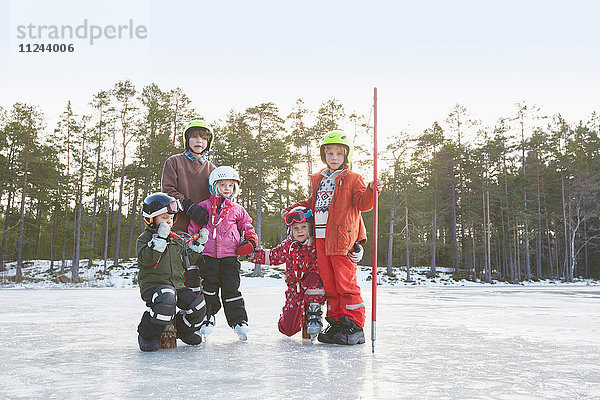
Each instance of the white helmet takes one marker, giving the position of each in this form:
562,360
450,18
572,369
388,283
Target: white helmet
223,172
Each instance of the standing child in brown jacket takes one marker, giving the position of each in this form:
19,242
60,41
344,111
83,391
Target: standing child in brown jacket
185,177
338,197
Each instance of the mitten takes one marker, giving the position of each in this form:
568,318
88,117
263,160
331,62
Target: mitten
198,214
192,279
159,239
356,254
157,243
196,246
163,230
203,236
248,245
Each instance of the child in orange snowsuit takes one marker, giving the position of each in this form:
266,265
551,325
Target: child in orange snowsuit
337,199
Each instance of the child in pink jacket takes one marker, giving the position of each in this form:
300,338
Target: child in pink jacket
230,234
298,253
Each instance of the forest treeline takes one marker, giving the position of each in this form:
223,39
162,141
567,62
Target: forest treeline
519,200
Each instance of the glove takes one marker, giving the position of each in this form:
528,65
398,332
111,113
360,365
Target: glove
248,245
159,239
163,230
203,238
192,279
356,254
198,214
196,246
157,243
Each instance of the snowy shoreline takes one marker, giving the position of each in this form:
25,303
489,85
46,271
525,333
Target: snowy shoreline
36,276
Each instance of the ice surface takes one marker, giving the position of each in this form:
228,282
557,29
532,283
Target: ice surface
432,342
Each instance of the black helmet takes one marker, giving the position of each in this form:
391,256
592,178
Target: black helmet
159,203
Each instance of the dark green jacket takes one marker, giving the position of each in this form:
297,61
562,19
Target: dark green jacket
160,268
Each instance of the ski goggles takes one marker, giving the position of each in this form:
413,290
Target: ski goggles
174,207
297,216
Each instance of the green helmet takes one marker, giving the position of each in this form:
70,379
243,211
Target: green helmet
198,123
337,137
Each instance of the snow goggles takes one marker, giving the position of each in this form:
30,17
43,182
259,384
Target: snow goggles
297,216
174,207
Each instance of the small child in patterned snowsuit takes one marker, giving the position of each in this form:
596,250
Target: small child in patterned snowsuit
304,285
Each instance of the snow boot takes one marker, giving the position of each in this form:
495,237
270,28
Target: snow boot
328,334
314,325
148,344
350,333
241,329
207,325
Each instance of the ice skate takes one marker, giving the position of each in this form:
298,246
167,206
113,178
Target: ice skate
207,325
314,325
241,329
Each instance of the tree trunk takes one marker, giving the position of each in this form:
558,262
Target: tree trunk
132,217
391,235
433,269
95,203
586,273
526,227
565,224
52,241
38,218
407,237
484,236
309,163
75,266
120,210
106,231
76,255
146,192
518,252
6,216
453,234
538,249
257,268
20,238
552,275
489,238
474,261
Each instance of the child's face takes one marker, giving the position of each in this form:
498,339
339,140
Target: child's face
164,217
225,187
197,142
335,155
301,231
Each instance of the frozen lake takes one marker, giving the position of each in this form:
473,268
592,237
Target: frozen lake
432,342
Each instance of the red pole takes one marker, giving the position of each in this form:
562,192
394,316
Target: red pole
374,262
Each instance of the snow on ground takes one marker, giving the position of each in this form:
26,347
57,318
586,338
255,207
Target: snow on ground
438,340
36,275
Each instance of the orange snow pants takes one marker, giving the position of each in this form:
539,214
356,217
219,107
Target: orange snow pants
341,289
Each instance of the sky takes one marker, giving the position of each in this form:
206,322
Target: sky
423,57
